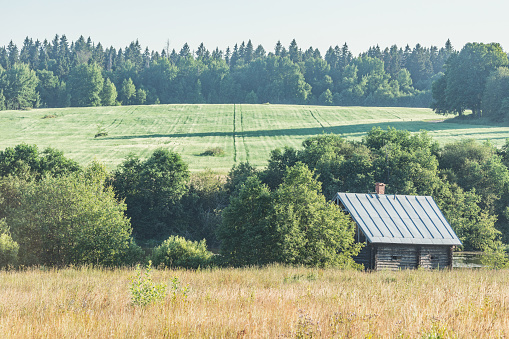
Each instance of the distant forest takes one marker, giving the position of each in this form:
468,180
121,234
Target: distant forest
59,73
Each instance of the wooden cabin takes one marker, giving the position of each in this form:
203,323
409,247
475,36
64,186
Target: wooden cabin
400,231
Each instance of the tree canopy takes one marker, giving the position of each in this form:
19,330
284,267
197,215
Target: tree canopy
83,73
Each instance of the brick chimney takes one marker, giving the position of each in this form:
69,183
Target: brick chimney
380,188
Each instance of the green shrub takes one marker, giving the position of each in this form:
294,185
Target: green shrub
69,220
214,152
495,258
8,247
178,252
143,290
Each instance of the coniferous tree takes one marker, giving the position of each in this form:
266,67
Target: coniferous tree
108,93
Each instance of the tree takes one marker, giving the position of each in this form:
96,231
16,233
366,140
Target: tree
406,163
85,85
127,93
473,165
69,220
108,93
19,87
244,232
141,96
2,100
8,247
495,100
465,77
160,76
152,190
293,225
341,165
25,161
48,88
473,225
326,98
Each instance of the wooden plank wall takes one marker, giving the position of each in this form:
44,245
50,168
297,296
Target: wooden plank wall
365,257
396,257
435,257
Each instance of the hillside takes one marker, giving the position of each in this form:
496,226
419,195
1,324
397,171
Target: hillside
244,132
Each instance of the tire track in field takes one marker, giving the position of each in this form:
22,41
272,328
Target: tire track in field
243,134
234,131
318,121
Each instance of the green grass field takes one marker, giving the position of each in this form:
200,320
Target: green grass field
244,132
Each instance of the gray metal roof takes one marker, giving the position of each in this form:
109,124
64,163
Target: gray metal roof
399,219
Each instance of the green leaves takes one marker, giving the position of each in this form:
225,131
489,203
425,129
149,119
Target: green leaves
19,87
152,190
465,78
85,85
292,224
143,290
68,220
178,252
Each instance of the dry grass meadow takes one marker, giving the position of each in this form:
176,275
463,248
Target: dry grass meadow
273,302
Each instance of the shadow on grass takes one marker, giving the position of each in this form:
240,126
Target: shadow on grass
348,130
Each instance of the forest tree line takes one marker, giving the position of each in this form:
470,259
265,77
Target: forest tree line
59,73
59,213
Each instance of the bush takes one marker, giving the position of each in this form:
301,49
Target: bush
178,252
69,220
143,290
214,152
8,247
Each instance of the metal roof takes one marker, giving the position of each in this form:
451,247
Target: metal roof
399,219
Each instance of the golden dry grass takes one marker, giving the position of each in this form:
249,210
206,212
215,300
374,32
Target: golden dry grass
257,303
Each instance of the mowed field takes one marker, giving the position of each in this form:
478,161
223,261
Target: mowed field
244,132
272,302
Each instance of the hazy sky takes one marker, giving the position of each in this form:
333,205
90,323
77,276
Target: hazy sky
222,23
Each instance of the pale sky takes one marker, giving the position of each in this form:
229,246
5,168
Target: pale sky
222,23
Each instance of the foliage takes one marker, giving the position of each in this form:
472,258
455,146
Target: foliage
341,166
143,290
495,100
474,225
214,152
203,202
293,224
68,220
26,161
178,252
238,174
8,247
465,77
245,232
244,74
495,258
127,94
18,85
152,190
85,85
477,166
108,93
2,100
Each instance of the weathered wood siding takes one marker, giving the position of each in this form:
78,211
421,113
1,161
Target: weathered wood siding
365,257
435,256
396,257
